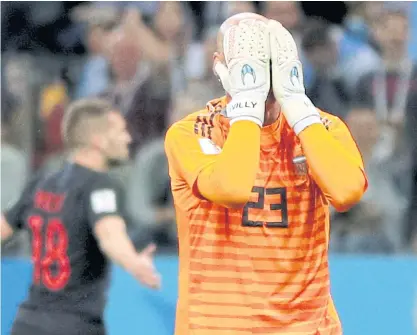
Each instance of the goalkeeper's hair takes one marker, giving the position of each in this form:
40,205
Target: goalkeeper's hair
81,118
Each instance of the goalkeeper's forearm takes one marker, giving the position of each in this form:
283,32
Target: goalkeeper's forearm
229,180
333,168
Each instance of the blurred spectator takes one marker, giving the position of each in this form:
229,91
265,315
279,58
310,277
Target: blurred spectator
137,92
99,21
213,13
149,196
149,193
288,13
53,101
374,225
390,92
327,90
205,84
148,8
14,172
356,42
167,45
236,7
39,26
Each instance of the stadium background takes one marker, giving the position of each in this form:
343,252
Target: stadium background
153,61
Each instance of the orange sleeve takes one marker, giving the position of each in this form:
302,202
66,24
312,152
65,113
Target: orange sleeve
225,177
335,163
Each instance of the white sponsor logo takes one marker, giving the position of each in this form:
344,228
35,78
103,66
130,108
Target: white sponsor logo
247,104
209,147
103,201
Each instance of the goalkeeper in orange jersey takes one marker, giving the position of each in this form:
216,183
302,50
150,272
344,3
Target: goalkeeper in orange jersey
253,176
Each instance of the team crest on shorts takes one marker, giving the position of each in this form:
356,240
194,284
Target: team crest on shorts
300,163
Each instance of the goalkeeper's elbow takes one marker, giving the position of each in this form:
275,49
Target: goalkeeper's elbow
349,195
233,197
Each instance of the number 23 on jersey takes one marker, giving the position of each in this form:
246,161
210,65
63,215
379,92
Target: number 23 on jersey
52,267
276,210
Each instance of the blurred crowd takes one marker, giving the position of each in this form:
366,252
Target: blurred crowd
153,60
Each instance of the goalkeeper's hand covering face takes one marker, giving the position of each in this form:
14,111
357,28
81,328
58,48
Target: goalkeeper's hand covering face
243,66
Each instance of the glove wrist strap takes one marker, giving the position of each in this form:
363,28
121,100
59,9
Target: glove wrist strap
251,108
306,122
300,113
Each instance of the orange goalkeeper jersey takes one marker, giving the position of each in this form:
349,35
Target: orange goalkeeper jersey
262,269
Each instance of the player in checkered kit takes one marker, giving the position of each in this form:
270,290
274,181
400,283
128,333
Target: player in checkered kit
77,222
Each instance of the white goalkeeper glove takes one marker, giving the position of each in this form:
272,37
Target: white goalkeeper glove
287,80
246,75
